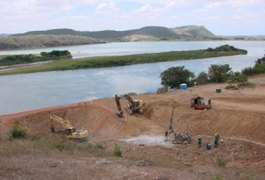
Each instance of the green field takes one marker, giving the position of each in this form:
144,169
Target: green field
109,61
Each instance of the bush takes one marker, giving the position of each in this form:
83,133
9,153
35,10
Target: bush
258,68
117,151
162,90
174,76
202,78
219,73
238,77
17,133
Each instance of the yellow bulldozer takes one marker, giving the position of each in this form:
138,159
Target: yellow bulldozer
133,106
232,86
70,131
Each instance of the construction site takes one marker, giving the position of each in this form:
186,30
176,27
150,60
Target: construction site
156,136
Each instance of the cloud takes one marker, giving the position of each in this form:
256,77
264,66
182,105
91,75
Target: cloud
106,7
25,15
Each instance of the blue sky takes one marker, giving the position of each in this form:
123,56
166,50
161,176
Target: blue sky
222,17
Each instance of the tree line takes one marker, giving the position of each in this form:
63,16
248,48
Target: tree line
174,76
30,58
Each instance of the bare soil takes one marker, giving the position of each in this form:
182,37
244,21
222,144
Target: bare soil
237,115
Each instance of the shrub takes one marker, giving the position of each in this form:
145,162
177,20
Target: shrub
117,151
202,78
238,77
17,133
258,68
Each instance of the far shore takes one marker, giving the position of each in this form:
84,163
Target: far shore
111,61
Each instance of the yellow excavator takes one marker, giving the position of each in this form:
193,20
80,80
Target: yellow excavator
133,106
70,131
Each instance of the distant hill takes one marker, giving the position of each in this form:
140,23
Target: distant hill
153,32
42,40
62,37
194,31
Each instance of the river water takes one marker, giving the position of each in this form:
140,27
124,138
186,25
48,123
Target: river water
30,91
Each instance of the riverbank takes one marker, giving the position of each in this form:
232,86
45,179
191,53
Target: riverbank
110,61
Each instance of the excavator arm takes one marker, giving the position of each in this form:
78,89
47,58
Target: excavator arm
64,122
72,133
132,107
118,103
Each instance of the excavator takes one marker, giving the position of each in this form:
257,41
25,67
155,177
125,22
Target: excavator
70,131
133,106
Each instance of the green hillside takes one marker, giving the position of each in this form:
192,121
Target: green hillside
44,40
65,37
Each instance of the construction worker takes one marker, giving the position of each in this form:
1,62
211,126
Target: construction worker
216,140
208,145
199,141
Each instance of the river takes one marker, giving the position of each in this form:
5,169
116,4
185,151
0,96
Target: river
31,91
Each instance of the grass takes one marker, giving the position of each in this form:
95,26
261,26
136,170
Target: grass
218,177
221,162
43,144
117,151
2,56
249,85
110,61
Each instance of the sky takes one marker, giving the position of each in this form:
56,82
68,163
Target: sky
222,17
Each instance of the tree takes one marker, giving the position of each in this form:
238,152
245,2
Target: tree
202,78
219,73
238,77
174,76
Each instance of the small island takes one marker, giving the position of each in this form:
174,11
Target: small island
111,61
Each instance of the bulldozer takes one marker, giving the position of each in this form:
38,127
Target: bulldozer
201,103
133,106
175,137
232,86
70,131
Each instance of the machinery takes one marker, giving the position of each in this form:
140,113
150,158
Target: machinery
174,137
232,86
70,131
201,103
133,106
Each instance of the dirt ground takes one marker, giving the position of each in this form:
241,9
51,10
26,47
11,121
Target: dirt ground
237,115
